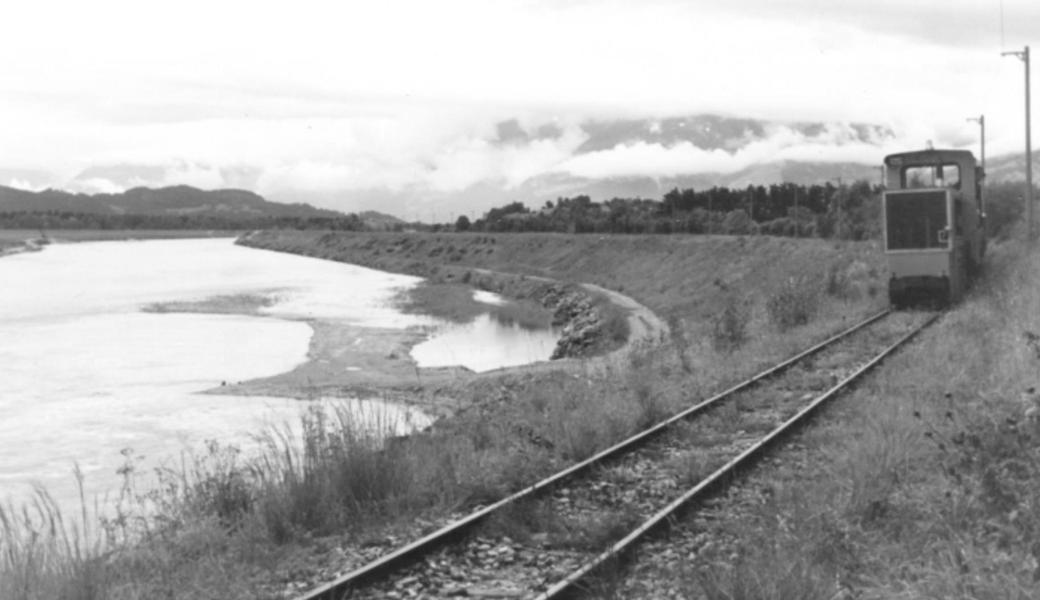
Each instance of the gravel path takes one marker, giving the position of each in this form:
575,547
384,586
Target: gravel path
645,328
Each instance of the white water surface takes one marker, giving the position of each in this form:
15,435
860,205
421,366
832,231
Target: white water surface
86,374
485,344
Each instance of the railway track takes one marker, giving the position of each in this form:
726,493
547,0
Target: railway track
550,539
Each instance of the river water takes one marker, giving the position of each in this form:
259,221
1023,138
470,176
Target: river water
88,376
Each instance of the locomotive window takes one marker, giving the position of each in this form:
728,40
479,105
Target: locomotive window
914,220
931,176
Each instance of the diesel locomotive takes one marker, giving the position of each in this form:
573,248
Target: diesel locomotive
934,224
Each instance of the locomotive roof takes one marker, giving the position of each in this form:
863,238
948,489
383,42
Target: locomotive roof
928,156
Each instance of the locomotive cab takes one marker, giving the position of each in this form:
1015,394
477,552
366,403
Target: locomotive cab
933,222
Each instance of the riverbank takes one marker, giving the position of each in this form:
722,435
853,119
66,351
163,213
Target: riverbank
19,236
599,327
15,241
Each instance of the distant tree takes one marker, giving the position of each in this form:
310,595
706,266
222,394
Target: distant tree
1004,207
778,209
506,218
462,223
738,222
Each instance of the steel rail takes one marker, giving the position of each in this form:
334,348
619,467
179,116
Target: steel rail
340,587
710,484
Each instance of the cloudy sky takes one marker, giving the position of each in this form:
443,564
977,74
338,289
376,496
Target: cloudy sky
330,99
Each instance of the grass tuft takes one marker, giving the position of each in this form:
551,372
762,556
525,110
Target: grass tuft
44,555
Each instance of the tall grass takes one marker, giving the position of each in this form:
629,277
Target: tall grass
44,555
195,527
334,475
206,523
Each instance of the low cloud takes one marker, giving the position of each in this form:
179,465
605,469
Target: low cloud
95,185
471,161
23,184
834,143
200,176
397,160
313,176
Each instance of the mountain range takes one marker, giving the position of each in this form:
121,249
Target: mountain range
172,200
603,159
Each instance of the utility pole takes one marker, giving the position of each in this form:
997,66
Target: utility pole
981,120
711,194
797,226
837,229
1024,57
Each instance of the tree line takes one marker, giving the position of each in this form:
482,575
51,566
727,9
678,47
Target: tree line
848,211
53,219
844,211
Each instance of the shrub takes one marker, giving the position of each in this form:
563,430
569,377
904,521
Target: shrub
737,222
649,405
794,303
677,333
729,328
1004,208
836,283
850,280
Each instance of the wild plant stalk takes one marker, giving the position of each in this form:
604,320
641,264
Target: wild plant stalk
44,556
